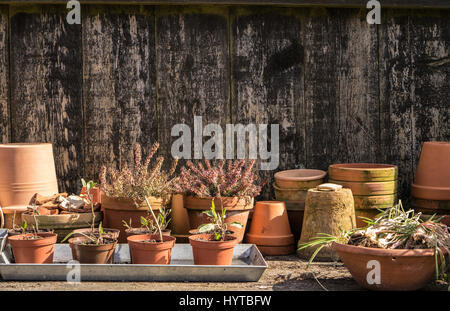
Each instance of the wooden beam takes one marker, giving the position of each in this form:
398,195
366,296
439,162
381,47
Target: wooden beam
305,3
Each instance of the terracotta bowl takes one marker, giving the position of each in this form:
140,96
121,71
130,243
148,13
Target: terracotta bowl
399,269
299,178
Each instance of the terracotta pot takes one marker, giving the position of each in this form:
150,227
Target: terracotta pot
62,224
237,210
179,215
400,269
116,210
431,205
369,188
96,194
299,178
432,180
146,253
33,251
209,252
370,172
295,212
140,231
283,194
91,253
21,178
270,229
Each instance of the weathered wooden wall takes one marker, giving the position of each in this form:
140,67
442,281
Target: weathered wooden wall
342,90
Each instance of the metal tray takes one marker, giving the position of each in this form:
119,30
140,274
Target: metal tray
248,265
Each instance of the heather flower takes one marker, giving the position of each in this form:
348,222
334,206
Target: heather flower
139,182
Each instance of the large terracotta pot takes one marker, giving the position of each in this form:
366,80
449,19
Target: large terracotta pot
237,210
270,229
26,169
374,186
209,252
180,219
36,251
116,210
400,269
92,253
62,224
147,253
299,178
432,180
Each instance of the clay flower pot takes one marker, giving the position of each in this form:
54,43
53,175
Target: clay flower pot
369,172
91,253
432,180
400,269
118,209
33,251
299,178
237,210
140,231
96,194
149,253
289,195
207,251
27,168
270,229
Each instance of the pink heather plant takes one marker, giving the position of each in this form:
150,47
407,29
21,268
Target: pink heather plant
138,182
234,180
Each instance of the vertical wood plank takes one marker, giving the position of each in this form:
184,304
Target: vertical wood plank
358,134
118,85
430,61
321,40
267,55
193,69
46,86
4,75
395,96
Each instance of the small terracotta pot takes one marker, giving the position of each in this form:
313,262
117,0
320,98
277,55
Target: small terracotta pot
140,231
209,252
299,178
179,215
91,253
27,168
33,251
400,269
270,229
116,210
283,194
237,210
147,253
370,172
432,180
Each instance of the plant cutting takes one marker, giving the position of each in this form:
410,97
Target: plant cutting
232,187
147,226
407,250
154,248
94,245
125,190
36,247
214,248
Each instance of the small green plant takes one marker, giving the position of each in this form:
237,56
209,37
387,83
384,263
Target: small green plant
88,186
97,239
217,225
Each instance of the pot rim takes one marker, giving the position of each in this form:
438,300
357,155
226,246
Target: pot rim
72,242
361,250
28,145
140,238
319,174
195,241
362,166
48,239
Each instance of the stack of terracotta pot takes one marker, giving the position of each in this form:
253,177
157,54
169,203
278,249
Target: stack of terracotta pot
26,169
291,187
431,187
374,186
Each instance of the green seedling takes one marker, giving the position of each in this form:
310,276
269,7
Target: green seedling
217,223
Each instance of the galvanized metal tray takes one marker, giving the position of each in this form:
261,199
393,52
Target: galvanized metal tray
248,265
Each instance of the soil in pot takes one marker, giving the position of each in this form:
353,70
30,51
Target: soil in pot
30,248
208,251
108,232
140,231
85,250
148,249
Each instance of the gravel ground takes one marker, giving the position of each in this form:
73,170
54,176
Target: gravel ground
285,273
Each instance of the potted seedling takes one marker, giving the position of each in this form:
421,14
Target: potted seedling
95,245
124,191
17,230
154,248
36,247
147,226
396,251
214,248
232,186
